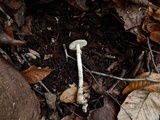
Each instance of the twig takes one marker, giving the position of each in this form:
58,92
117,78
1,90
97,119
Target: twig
152,56
124,79
43,85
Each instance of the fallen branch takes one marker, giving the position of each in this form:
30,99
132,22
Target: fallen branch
152,56
125,79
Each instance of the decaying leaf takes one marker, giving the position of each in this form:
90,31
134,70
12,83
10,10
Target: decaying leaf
140,105
151,27
20,16
132,15
156,15
120,3
34,75
141,84
107,112
51,99
14,4
155,36
69,95
6,39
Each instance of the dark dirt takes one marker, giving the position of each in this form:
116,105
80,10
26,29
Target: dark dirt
55,23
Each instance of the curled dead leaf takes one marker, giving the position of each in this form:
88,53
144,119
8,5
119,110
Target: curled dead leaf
141,84
155,36
156,15
151,27
69,95
34,75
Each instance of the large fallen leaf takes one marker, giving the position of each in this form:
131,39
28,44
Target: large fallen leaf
132,16
34,75
141,84
69,95
140,105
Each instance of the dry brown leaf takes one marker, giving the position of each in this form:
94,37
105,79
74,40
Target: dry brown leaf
155,87
155,36
9,31
151,27
140,105
156,15
14,4
34,75
120,3
141,84
69,95
6,39
132,15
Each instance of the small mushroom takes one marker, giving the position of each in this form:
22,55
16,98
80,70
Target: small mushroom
77,45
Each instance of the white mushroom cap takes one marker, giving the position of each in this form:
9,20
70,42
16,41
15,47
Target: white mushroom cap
81,43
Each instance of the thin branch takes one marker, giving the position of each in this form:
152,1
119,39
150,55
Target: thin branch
125,79
152,56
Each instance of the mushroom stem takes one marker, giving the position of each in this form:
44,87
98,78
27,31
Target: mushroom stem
79,64
80,96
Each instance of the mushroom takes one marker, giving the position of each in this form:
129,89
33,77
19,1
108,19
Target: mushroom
77,45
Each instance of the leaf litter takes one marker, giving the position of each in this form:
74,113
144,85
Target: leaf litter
65,21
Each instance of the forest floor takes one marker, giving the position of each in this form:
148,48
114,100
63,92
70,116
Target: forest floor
110,50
